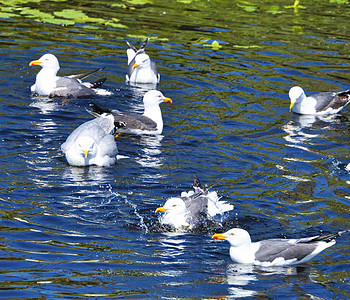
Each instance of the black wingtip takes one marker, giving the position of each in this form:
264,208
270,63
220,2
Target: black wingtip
196,182
329,237
99,109
131,46
344,93
97,83
119,124
143,46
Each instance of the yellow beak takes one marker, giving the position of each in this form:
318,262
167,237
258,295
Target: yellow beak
159,209
168,100
291,105
35,63
135,66
85,153
218,236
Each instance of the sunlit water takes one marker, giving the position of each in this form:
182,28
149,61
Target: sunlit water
70,232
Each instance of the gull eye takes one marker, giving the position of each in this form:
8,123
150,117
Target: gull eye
174,205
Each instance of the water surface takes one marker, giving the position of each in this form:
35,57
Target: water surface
72,233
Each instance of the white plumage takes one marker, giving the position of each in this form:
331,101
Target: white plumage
274,252
47,82
150,122
186,212
92,144
321,103
141,69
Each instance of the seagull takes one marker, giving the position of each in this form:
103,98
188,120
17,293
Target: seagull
150,122
186,212
47,82
92,144
274,252
141,69
320,104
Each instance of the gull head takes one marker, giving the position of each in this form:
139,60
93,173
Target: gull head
296,94
142,60
48,61
154,97
173,206
86,146
236,237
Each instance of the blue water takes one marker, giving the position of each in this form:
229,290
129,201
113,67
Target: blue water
73,233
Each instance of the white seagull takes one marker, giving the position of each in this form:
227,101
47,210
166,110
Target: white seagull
320,104
47,82
150,122
141,69
187,211
274,252
92,144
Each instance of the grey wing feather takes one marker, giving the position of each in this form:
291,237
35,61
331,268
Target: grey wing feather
135,121
96,128
85,128
104,123
130,70
70,87
108,146
274,248
196,208
154,69
131,121
331,100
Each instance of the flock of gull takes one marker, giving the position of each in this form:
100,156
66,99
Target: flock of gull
93,143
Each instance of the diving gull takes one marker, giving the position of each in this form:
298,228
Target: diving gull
321,103
141,69
274,252
92,144
150,122
47,82
187,211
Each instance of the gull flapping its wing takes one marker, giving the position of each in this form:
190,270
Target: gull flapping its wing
187,211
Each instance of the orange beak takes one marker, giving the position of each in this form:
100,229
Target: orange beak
85,153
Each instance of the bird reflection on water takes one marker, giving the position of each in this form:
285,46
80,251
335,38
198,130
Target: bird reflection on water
241,278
